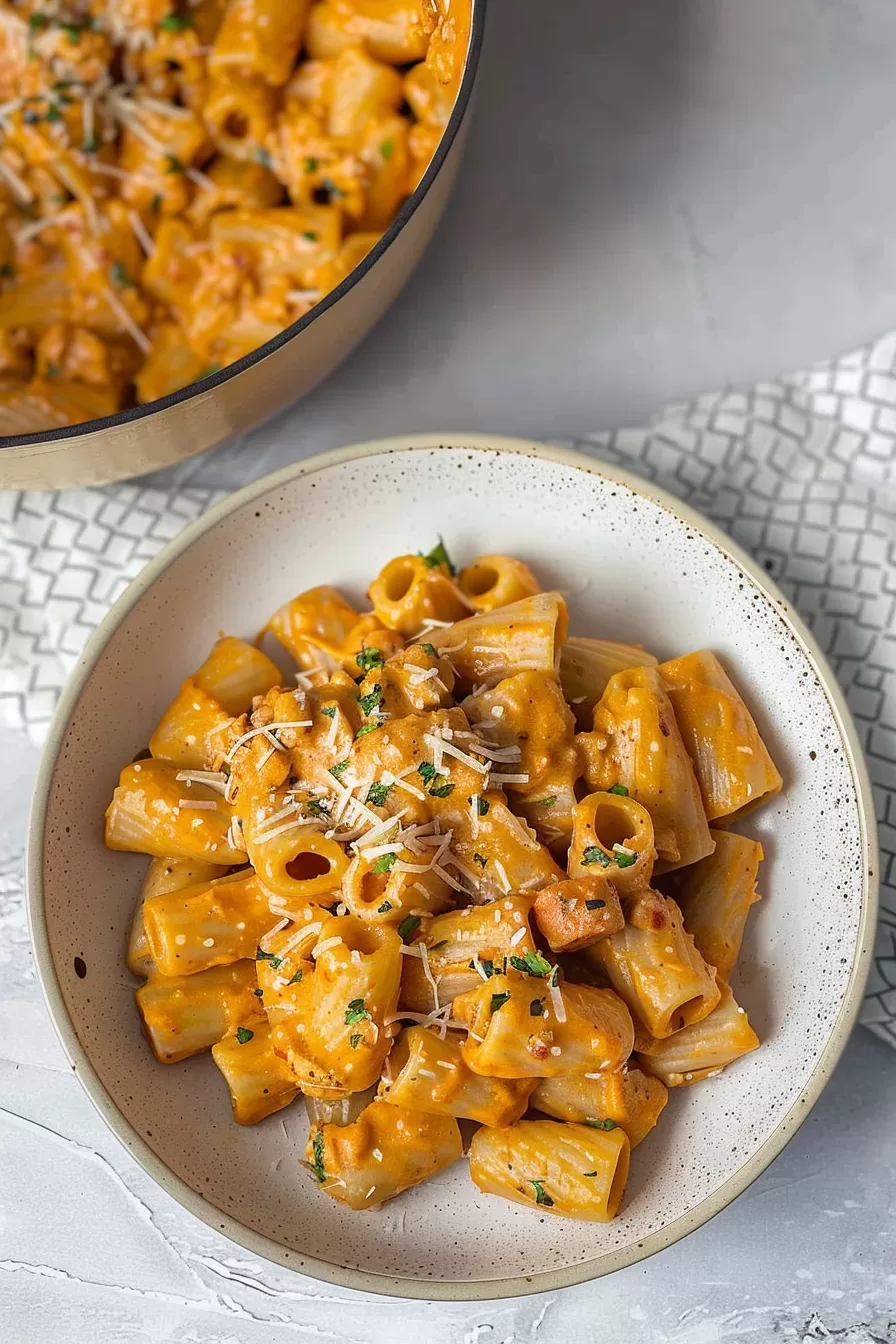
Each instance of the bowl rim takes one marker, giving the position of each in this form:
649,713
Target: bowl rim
134,414
366,1280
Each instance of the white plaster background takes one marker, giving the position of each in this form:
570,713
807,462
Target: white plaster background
660,197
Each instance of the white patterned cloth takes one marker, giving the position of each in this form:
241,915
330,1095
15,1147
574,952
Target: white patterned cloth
801,472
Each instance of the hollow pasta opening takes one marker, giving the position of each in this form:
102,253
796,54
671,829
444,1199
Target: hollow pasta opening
612,825
308,865
399,580
236,125
480,579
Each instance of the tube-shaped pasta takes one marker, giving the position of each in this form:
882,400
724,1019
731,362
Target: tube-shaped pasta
296,863
576,913
413,681
495,581
659,973
317,622
570,1170
150,813
525,1026
235,672
370,639
259,1082
734,769
410,591
522,637
212,924
636,743
632,1100
390,897
391,32
703,1048
715,898
184,1014
261,37
190,732
463,947
387,1149
430,1074
162,877
586,665
527,715
613,834
341,1009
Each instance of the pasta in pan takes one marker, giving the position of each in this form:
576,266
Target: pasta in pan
415,883
180,180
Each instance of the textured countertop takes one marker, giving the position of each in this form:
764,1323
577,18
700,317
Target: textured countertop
660,197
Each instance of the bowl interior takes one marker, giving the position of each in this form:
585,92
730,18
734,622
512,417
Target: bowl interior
633,569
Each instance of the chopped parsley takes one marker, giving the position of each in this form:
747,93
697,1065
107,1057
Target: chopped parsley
207,373
365,729
89,144
377,794
533,963
317,1148
355,1041
387,149
595,904
263,158
441,790
625,860
536,1008
315,808
53,114
244,1035
370,703
295,979
480,859
53,370
541,1197
72,32
546,802
499,1000
384,908
439,556
119,276
335,193
261,955
589,1173
594,854
173,164
311,165
156,203
37,20
310,235
426,771
429,650
620,789
487,965
328,711
601,1124
408,926
339,769
368,659
483,806
355,1012
176,23
385,863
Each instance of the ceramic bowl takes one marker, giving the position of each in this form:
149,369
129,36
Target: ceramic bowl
637,566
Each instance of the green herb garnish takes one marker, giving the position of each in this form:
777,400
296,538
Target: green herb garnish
385,863
546,802
483,806
371,702
36,21
486,964
176,23
310,235
499,1000
429,650
377,794
601,1124
595,905
589,1173
206,373
625,860
311,165
620,789
243,1035
540,1196
317,1148
480,859
387,149
335,193
315,808
408,926
384,908
426,771
365,729
355,1041
261,955
439,556
594,854
72,32
53,370
173,164
368,659
89,144
328,711
441,790
536,1008
295,979
533,963
355,1012
156,203
339,769
119,276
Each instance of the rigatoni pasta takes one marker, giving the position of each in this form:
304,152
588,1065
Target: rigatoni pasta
397,882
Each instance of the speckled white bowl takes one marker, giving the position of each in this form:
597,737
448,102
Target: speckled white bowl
637,566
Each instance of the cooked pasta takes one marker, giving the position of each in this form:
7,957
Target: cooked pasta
180,180
398,881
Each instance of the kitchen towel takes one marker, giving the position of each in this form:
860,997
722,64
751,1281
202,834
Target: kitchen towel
800,471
